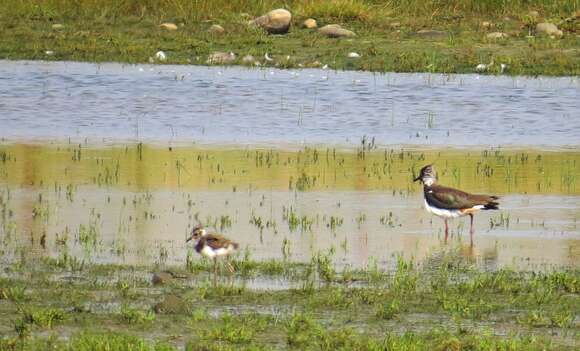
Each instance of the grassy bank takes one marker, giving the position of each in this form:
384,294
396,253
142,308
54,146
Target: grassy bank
455,306
387,33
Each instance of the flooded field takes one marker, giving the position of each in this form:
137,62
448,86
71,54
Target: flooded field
324,233
136,204
104,171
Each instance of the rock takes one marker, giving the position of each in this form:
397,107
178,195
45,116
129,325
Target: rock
248,59
395,25
274,22
549,29
221,57
161,278
353,55
432,34
336,31
216,29
57,26
482,67
168,26
497,35
160,55
310,23
486,25
49,52
171,304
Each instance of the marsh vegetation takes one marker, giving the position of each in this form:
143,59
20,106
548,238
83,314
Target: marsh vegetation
84,228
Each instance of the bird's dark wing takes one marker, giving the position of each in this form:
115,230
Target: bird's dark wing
216,241
453,199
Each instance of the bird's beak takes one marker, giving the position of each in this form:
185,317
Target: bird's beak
189,239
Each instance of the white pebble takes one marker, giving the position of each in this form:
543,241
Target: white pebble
160,55
482,67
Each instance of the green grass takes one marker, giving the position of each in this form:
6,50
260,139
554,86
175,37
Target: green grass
128,31
452,306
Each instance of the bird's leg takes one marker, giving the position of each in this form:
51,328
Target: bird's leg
471,229
214,272
230,267
446,230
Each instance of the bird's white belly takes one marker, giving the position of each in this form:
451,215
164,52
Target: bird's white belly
441,212
211,253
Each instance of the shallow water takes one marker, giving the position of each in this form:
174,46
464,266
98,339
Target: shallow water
61,100
135,205
97,166
153,229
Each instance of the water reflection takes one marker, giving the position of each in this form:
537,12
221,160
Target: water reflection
148,228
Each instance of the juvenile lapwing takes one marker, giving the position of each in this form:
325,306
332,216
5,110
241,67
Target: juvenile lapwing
212,245
452,203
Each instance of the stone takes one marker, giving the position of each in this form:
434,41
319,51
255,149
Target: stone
310,23
482,67
216,29
57,26
549,29
160,55
161,278
221,57
486,25
274,22
496,35
353,55
168,26
395,25
248,59
171,304
433,34
335,31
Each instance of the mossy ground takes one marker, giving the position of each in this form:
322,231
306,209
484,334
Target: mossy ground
387,38
450,306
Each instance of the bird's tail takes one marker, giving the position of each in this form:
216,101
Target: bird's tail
492,204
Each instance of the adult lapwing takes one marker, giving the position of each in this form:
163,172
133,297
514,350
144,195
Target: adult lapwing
452,203
212,245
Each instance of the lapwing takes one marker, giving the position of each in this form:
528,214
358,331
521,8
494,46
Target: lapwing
212,245
448,203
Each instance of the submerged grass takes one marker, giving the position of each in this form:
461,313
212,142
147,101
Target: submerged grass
387,33
148,168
